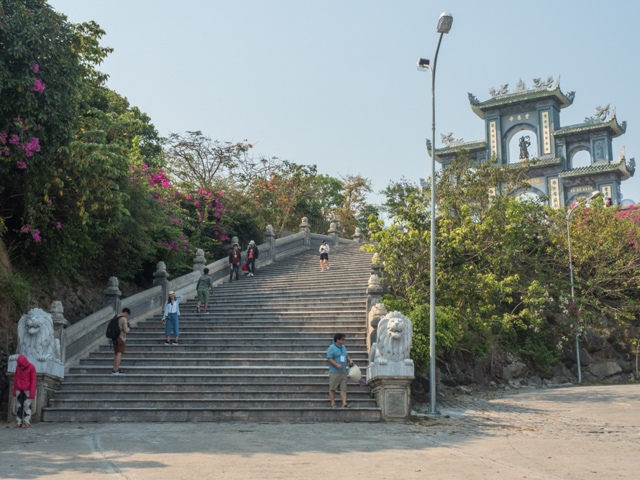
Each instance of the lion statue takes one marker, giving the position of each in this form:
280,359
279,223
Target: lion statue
35,337
395,332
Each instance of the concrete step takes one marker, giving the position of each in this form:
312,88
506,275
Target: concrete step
266,343
251,378
190,394
209,362
257,350
184,368
260,414
145,387
202,403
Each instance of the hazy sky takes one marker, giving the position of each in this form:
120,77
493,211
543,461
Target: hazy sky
334,83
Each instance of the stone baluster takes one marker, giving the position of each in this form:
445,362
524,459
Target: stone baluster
161,277
377,269
199,261
304,228
59,324
333,231
269,237
111,294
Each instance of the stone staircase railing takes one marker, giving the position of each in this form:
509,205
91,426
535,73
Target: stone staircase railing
84,336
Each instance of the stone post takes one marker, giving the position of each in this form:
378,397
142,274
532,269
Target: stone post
373,319
304,228
358,236
59,324
269,237
235,240
111,294
199,261
377,268
391,370
333,231
374,297
160,277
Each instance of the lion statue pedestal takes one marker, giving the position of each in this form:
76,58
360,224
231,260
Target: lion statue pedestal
37,342
391,370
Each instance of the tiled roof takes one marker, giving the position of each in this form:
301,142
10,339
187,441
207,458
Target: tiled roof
540,162
517,97
617,128
620,165
473,145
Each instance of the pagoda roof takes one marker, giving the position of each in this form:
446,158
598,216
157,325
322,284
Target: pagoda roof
612,125
625,171
563,100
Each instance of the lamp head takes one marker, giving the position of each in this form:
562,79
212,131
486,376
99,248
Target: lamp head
594,194
444,23
423,63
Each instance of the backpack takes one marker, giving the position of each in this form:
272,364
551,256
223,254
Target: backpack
113,329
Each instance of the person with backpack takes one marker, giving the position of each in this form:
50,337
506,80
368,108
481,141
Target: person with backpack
171,314
252,256
117,331
203,287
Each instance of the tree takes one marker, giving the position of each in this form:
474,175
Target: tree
354,194
196,160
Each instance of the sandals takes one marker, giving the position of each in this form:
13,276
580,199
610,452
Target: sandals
334,406
17,426
348,405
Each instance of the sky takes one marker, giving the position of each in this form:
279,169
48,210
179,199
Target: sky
335,83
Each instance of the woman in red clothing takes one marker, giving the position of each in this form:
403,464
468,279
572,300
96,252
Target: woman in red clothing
24,384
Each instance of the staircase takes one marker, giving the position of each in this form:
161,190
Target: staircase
259,355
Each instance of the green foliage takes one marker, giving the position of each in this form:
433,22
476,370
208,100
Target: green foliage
502,263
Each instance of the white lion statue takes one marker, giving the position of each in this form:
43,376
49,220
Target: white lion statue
395,332
35,337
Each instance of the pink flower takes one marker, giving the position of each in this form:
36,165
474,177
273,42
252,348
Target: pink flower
14,140
3,138
26,228
36,236
36,68
58,225
39,86
21,165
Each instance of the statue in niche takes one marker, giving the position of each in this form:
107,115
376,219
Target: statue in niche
524,143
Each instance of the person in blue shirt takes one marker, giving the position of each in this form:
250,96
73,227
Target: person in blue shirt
338,359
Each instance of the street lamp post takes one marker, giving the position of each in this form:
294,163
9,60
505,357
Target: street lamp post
593,195
444,26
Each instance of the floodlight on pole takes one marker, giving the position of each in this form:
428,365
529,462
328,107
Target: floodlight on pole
444,26
594,194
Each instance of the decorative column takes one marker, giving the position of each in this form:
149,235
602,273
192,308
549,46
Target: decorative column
111,294
160,277
199,261
304,228
42,349
391,370
373,320
333,231
270,237
59,324
358,236
235,240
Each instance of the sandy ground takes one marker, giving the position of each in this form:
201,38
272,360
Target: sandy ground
588,432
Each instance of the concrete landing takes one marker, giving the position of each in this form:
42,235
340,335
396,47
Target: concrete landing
568,433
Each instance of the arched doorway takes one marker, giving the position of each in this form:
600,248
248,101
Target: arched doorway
520,141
